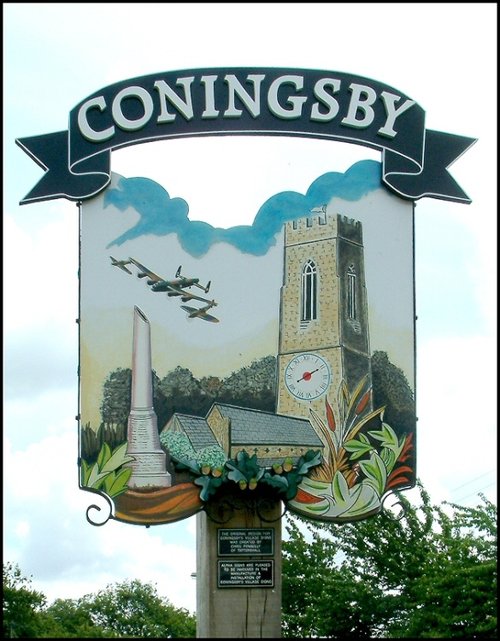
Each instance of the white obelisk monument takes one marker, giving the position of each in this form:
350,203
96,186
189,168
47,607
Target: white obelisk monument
150,461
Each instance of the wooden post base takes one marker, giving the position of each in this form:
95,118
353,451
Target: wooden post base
238,590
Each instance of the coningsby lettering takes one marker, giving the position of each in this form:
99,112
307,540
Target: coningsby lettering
285,98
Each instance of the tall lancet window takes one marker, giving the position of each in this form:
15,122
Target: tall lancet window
352,311
309,302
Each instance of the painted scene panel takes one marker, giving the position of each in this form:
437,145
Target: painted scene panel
275,359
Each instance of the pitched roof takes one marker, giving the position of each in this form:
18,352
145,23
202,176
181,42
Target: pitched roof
259,427
197,430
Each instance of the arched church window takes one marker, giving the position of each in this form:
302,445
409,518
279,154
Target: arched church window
309,294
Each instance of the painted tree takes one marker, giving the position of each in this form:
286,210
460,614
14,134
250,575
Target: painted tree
431,573
391,389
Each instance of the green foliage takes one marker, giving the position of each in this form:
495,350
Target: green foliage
108,473
212,456
432,573
212,470
179,391
115,406
72,618
134,609
130,609
91,441
392,391
179,446
22,606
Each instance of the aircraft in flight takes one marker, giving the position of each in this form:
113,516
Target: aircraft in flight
201,312
171,287
121,264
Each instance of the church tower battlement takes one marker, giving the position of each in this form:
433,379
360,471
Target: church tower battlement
323,308
319,226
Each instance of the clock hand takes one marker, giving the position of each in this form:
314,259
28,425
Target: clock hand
306,376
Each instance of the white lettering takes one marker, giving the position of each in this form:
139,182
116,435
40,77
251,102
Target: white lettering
235,87
119,117
83,124
296,101
356,103
165,92
326,98
286,100
210,110
389,100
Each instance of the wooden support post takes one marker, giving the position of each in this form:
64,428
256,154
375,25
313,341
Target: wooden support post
238,573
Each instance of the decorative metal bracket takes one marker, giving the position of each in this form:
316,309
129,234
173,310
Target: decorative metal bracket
221,510
110,507
390,512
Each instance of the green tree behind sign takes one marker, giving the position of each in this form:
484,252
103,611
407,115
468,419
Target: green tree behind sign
432,573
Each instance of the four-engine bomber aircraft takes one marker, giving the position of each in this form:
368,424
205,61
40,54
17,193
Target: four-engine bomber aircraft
175,287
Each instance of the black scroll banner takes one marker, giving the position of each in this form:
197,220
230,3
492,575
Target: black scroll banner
307,103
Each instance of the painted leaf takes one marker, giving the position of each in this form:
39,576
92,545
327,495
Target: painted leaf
85,472
375,472
389,458
209,486
357,448
364,500
236,476
117,458
187,464
311,459
340,489
104,455
356,393
276,480
95,477
313,510
363,421
407,446
116,483
321,486
330,438
387,436
396,479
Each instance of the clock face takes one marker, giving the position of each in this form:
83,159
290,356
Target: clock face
307,376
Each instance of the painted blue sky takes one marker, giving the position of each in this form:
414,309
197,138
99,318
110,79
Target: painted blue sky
161,215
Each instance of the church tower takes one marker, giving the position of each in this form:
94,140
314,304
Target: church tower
324,336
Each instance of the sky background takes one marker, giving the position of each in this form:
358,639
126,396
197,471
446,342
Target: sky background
442,56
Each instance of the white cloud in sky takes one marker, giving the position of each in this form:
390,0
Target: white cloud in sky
69,557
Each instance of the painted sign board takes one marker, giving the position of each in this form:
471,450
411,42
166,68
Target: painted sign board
274,359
